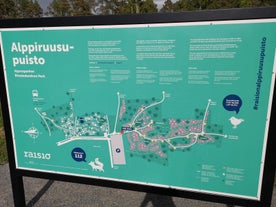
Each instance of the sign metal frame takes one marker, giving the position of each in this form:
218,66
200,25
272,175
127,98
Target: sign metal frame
195,16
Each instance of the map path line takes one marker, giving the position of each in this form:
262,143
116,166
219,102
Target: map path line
43,118
110,137
205,116
215,134
82,138
168,140
108,126
117,113
110,152
149,106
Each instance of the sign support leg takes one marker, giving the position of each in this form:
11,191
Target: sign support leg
17,189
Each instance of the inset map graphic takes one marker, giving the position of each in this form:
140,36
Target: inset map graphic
139,122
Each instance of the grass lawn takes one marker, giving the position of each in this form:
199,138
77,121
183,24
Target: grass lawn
3,149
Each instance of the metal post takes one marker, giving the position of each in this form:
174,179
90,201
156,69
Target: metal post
17,189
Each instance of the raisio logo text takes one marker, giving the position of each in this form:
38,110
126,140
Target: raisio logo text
27,49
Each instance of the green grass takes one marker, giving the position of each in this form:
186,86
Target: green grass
3,148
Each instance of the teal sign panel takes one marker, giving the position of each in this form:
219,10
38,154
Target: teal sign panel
184,106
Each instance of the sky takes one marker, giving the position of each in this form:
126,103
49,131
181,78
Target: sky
44,4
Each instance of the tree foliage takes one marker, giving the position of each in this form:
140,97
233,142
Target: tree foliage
20,9
69,8
128,7
7,9
31,8
184,5
59,8
167,6
80,7
148,6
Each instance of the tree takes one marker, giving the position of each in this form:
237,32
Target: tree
148,6
223,4
95,6
115,7
20,9
59,8
28,8
167,6
7,9
70,8
182,5
33,9
254,3
80,7
128,6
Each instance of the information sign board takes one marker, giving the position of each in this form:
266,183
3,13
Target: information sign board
184,106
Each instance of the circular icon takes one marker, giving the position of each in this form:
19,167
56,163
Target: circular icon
118,150
78,154
232,102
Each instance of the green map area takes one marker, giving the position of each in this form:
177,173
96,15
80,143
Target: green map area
149,134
